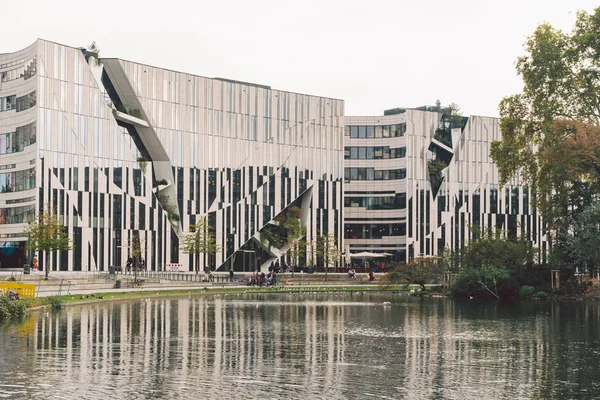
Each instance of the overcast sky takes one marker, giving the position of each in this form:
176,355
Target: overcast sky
375,54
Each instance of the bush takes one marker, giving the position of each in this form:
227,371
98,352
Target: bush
572,287
480,283
11,279
541,295
55,301
526,291
11,309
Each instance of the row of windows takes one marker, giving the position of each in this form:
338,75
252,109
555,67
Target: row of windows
10,64
17,201
17,215
396,202
20,103
377,131
14,142
373,153
17,181
26,102
26,72
371,174
374,231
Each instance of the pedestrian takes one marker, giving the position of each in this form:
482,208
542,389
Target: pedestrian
276,269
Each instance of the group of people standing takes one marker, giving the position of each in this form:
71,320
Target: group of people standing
262,279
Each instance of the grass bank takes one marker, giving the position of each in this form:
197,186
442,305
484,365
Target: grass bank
59,301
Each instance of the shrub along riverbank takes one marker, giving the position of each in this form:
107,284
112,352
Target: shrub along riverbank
495,267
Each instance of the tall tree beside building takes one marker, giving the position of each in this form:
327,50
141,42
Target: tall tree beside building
200,240
549,131
328,251
47,234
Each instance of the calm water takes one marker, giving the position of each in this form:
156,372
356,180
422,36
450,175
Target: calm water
304,346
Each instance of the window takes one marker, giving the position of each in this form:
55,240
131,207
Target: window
400,129
370,174
386,131
362,132
26,102
362,174
17,181
362,153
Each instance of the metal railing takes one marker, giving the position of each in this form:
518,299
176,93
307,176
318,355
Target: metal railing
177,276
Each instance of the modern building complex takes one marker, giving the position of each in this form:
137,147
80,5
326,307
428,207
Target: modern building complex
131,156
417,180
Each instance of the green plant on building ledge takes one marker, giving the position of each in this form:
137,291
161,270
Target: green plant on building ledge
135,112
160,182
435,168
143,163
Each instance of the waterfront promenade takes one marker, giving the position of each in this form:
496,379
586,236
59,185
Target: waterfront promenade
82,283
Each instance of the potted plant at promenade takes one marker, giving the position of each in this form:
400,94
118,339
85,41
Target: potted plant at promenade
46,234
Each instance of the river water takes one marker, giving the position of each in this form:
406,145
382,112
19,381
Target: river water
304,346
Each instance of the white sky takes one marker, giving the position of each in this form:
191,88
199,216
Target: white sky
375,54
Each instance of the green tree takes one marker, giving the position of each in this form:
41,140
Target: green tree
491,264
137,248
200,240
47,234
419,271
328,251
583,241
495,250
560,99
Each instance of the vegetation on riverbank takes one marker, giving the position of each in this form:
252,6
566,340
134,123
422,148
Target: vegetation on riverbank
11,309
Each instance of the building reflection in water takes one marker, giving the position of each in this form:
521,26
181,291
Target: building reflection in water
215,341
319,346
